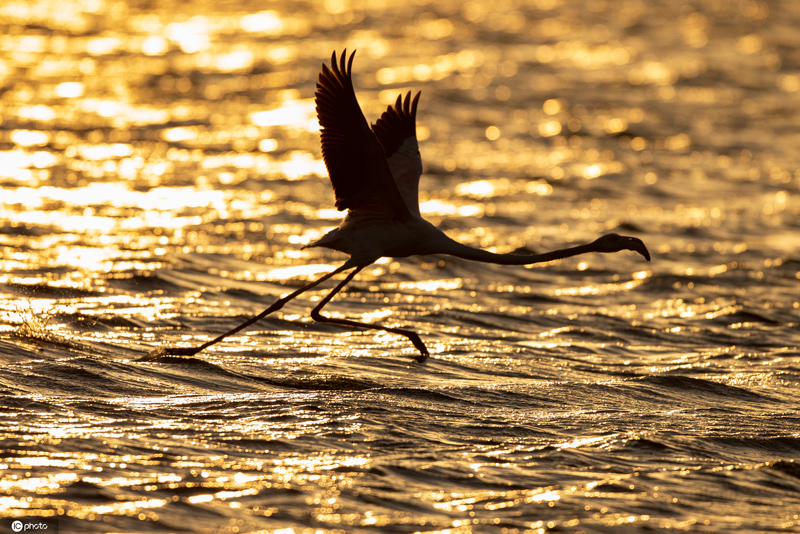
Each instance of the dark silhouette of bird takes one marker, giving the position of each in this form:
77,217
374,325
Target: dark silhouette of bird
375,174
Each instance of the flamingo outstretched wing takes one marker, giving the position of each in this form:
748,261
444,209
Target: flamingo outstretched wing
397,132
356,163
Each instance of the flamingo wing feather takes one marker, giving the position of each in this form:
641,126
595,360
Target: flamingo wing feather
396,130
356,163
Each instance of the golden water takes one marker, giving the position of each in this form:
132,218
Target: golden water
160,172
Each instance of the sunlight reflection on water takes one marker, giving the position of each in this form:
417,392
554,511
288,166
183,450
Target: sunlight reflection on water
160,171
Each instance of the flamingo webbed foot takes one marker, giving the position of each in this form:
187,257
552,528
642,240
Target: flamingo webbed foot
418,344
169,351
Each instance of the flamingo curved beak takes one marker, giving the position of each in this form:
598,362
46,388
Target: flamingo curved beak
637,245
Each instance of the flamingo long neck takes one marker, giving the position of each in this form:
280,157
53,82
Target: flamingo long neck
460,250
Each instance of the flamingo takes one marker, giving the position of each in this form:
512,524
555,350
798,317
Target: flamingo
375,174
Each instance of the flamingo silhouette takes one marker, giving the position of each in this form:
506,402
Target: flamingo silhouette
375,175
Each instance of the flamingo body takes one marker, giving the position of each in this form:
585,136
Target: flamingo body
366,239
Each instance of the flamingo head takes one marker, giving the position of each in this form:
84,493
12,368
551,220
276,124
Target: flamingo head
616,242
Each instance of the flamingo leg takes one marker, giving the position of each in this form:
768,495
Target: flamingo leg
191,351
317,316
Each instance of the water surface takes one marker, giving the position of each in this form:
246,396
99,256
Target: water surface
160,172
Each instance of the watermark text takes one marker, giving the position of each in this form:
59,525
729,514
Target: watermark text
30,525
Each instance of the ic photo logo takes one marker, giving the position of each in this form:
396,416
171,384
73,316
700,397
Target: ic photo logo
40,525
